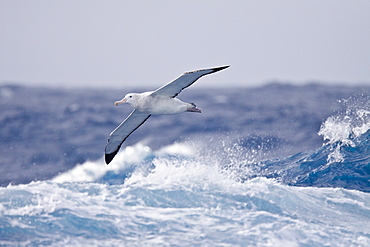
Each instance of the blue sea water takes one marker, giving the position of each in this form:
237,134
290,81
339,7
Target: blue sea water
277,165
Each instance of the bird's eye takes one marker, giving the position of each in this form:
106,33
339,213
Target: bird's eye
130,96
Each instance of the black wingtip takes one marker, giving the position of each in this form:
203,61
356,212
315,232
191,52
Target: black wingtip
220,68
213,70
109,157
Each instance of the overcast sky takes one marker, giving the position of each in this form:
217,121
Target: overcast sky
149,43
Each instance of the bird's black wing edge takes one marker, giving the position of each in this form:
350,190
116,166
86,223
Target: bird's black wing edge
109,157
213,71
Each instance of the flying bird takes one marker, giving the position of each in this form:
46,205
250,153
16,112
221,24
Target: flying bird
160,101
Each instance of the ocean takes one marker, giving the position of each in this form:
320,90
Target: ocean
275,165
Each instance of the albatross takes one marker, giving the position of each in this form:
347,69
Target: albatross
160,101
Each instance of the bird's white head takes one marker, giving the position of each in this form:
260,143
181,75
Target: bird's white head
130,98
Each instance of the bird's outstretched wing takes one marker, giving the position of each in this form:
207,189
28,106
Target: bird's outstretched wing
120,134
173,88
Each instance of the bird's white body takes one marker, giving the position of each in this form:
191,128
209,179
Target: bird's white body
156,104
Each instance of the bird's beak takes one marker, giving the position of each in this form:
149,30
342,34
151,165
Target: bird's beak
122,101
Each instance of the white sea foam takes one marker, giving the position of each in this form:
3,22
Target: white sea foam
94,170
259,212
351,122
344,127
